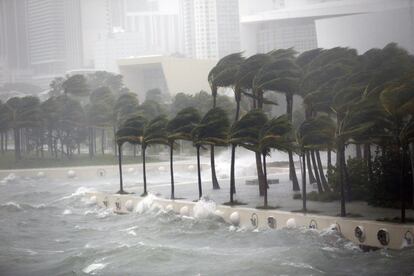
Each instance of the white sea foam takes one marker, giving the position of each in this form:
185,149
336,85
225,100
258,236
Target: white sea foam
94,268
10,178
81,191
99,212
132,232
12,205
67,212
146,204
204,208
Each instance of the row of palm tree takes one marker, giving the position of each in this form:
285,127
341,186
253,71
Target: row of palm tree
348,98
253,132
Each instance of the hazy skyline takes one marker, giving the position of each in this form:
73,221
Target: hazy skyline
40,40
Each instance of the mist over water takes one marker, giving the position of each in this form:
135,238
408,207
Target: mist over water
50,228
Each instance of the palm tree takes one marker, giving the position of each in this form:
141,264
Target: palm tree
283,75
126,106
76,85
245,132
314,133
212,130
244,86
22,113
389,117
180,128
275,134
331,85
155,132
100,111
130,131
224,75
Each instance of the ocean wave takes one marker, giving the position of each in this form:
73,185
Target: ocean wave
94,268
11,206
99,212
10,178
81,191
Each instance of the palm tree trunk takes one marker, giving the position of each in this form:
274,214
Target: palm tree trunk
216,185
260,174
103,141
304,181
2,142
411,148
312,178
358,151
200,188
318,179
232,174
144,171
233,151
90,136
329,157
341,176
6,140
346,176
265,179
321,173
115,144
121,184
292,170
368,161
17,152
402,182
94,140
172,170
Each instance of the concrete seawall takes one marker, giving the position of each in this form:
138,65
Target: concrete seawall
96,172
367,234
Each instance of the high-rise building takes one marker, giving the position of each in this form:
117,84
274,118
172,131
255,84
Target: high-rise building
97,23
14,56
158,21
211,28
55,38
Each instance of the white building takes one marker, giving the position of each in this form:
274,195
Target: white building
171,75
211,28
114,46
96,24
307,24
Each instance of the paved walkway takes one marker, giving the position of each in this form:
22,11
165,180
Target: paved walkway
280,195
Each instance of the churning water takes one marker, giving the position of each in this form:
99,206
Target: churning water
49,228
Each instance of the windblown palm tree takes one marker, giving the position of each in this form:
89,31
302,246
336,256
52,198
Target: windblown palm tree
180,128
224,75
245,132
315,133
386,118
130,131
212,130
155,132
275,134
244,86
282,75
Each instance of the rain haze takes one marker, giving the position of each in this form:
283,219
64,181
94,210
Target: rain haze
206,137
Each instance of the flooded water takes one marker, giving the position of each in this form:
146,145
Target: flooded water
49,228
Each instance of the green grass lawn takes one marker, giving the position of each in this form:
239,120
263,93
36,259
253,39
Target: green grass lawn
7,161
